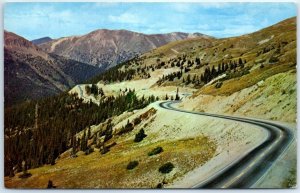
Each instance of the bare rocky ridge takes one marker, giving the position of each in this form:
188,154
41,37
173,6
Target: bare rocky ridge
41,40
106,48
30,73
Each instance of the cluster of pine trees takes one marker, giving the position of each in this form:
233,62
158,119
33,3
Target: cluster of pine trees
170,77
94,90
119,74
37,132
212,73
205,77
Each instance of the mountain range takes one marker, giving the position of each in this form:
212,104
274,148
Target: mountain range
31,73
45,66
106,48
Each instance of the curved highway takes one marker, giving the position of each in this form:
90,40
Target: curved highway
248,170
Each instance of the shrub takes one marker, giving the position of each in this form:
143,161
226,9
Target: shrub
140,136
137,120
131,165
25,175
291,180
273,59
159,185
50,185
155,151
166,168
219,84
89,150
103,149
128,127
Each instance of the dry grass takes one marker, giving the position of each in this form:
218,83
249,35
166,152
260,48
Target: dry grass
181,46
234,85
109,170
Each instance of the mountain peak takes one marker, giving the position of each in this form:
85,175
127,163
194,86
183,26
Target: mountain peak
13,40
41,40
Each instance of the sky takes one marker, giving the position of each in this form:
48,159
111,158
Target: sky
35,20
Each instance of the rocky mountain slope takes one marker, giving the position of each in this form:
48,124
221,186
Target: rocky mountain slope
41,40
30,73
106,48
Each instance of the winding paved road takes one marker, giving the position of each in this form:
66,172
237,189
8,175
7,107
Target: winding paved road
245,172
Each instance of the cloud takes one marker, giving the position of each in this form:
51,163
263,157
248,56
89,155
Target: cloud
34,20
128,18
181,7
216,5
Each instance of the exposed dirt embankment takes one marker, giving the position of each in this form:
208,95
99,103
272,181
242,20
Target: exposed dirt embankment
142,87
273,99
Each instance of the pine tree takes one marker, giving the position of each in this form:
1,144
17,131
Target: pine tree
213,72
83,145
240,61
223,67
89,133
188,79
194,79
87,90
177,95
198,62
202,78
73,152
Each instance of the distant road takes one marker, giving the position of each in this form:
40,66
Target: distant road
248,170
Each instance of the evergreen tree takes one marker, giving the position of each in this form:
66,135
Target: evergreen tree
194,79
42,144
188,79
87,90
198,62
89,133
83,145
177,95
240,61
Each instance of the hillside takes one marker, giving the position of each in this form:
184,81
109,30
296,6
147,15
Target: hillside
132,141
253,75
41,40
30,73
234,70
106,48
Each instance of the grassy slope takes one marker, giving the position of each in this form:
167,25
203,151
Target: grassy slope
109,170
